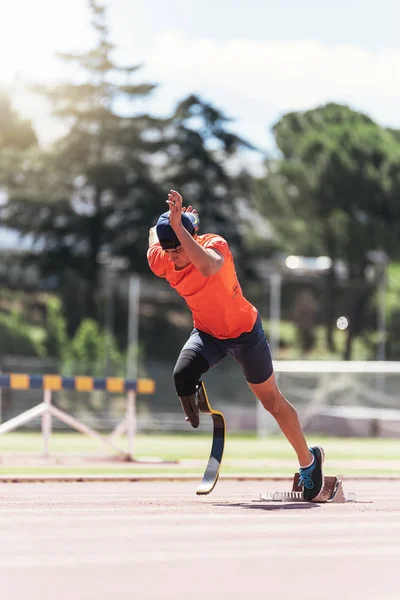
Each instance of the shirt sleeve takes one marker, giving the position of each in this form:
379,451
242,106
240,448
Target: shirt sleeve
218,243
157,259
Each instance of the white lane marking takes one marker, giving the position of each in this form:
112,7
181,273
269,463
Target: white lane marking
206,554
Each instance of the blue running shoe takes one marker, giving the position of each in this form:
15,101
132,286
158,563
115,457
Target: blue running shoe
312,478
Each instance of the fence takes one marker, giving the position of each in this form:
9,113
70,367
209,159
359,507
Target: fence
345,398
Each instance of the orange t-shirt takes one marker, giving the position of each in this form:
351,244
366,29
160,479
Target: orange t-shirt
217,303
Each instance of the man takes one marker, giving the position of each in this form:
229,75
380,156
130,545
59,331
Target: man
202,271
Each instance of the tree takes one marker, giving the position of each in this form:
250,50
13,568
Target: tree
198,148
56,331
15,133
17,137
92,192
333,192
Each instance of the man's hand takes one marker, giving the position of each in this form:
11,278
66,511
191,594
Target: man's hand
175,209
175,202
206,260
189,209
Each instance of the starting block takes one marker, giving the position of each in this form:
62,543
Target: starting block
331,492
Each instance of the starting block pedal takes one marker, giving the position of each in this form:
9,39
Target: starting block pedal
282,496
331,492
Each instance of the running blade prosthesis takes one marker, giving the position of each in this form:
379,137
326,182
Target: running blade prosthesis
211,473
331,492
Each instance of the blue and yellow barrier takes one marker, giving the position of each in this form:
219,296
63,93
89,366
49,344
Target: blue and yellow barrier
79,383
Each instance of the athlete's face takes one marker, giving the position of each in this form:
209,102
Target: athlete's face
179,257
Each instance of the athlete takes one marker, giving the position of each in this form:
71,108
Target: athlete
201,269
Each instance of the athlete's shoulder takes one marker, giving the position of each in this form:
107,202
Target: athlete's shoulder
207,237
213,240
157,259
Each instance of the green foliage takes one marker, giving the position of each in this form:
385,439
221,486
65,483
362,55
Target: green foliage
93,352
393,311
56,330
334,192
393,289
16,338
290,346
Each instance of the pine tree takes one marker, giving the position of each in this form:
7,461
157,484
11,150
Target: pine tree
92,192
199,149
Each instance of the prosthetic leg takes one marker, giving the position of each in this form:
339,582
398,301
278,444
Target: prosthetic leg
211,473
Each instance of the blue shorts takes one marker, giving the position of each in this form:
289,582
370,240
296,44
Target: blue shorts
250,350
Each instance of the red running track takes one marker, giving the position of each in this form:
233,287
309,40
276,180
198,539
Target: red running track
84,541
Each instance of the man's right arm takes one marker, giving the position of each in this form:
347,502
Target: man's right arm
156,256
153,239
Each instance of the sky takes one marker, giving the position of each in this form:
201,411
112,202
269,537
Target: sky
255,60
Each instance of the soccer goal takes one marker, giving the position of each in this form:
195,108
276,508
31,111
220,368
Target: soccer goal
340,397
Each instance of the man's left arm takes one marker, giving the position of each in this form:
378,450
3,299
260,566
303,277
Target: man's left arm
206,260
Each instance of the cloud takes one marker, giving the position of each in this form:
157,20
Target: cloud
287,75
256,82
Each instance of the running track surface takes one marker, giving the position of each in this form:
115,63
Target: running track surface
99,541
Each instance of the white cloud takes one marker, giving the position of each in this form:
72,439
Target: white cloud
252,82
288,75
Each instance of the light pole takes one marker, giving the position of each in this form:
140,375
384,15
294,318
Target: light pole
380,260
112,265
133,328
381,350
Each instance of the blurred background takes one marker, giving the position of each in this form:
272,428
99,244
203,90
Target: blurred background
278,122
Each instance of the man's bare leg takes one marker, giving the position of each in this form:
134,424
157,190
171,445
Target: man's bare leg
286,416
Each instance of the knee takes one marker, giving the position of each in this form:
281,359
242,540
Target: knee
274,402
185,382
187,372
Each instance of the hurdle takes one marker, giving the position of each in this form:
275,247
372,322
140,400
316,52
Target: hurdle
80,383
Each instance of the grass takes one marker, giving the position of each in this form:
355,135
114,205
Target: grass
244,455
